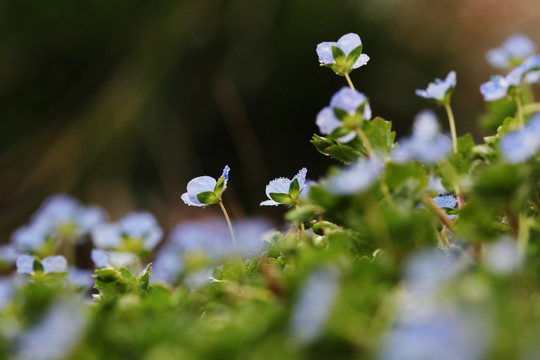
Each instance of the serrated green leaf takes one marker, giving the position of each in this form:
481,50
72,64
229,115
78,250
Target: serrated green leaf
126,274
143,280
321,143
208,198
282,198
380,135
344,153
465,146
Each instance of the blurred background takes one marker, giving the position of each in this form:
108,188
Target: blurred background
120,103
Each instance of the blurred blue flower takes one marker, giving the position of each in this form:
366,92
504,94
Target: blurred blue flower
8,254
282,186
495,89
513,51
346,43
60,218
6,292
210,238
58,331
80,278
353,179
102,258
503,257
440,90
349,101
314,305
51,264
435,184
522,144
204,184
136,231
426,144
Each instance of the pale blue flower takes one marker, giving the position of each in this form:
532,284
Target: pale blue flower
346,43
435,184
353,179
503,257
445,201
6,292
211,238
102,258
439,90
314,304
514,49
282,186
80,278
137,227
51,264
203,184
30,238
8,254
522,144
349,101
57,333
495,89
426,144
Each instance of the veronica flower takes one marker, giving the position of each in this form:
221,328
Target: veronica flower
314,304
285,191
52,264
426,144
102,258
495,89
348,108
522,144
344,55
353,179
6,292
57,333
136,232
60,217
440,90
205,190
80,278
503,256
513,51
208,237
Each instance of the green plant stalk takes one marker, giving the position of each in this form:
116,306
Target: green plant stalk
228,223
519,113
523,232
349,81
362,136
452,123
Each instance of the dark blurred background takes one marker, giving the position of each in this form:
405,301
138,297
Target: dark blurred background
120,103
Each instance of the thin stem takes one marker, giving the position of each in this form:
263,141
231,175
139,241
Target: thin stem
452,123
519,113
302,227
523,232
530,108
441,214
364,140
349,81
386,193
228,223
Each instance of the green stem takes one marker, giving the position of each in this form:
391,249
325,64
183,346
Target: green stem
523,232
362,136
228,223
519,113
452,123
349,81
530,108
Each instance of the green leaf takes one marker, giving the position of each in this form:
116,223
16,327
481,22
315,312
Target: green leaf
219,188
338,53
208,198
397,175
282,198
234,271
143,280
294,189
465,146
107,274
344,153
128,276
380,135
321,143
354,55
340,113
302,214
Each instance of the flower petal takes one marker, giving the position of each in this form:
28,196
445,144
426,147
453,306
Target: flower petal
361,61
198,185
54,264
349,42
25,264
324,51
348,99
279,185
327,121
